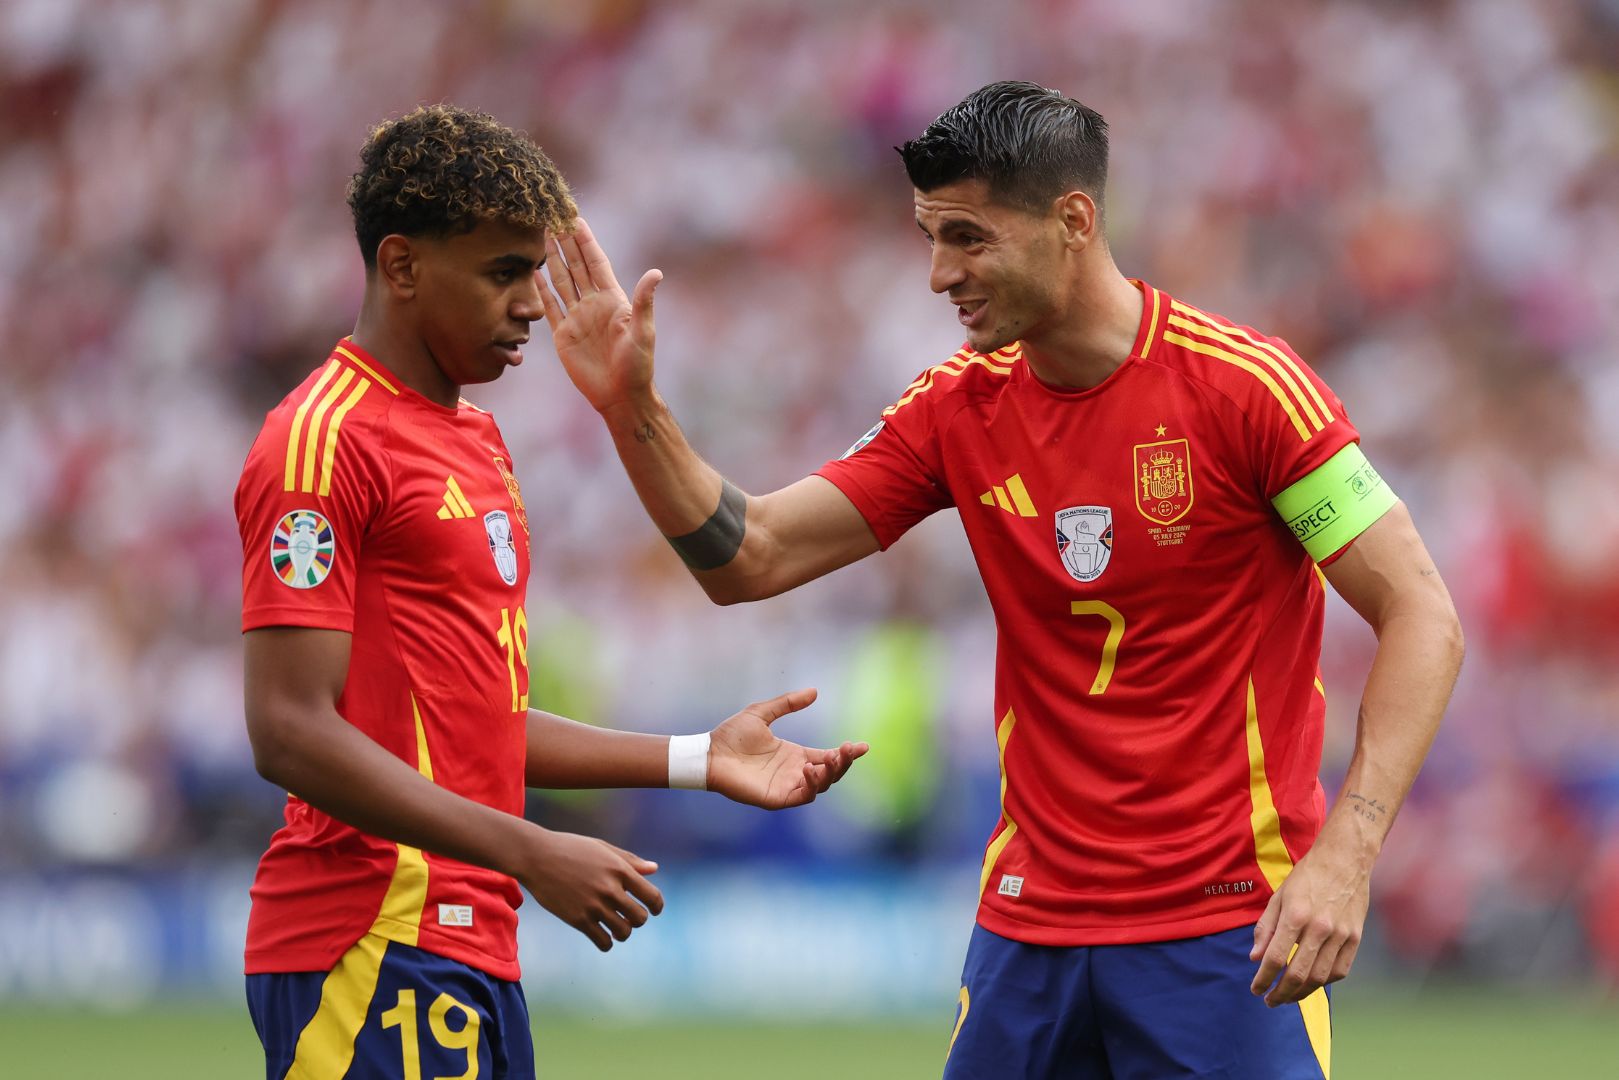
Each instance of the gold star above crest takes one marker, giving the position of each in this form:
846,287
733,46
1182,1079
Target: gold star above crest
1159,431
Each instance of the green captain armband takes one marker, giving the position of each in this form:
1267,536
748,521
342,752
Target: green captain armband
1335,503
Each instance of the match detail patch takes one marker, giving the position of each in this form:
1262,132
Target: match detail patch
1335,503
302,548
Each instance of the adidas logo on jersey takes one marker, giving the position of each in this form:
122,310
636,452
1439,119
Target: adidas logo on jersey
455,502
1013,497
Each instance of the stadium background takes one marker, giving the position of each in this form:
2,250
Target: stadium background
1423,198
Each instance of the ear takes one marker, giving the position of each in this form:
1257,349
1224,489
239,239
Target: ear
398,263
1079,220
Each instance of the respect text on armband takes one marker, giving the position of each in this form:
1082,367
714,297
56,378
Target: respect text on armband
1313,520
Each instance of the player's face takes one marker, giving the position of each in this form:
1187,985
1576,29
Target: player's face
476,295
998,264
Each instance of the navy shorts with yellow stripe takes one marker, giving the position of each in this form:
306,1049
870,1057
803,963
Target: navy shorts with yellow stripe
1122,1012
388,1011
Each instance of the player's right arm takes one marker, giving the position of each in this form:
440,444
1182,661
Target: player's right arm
294,676
738,546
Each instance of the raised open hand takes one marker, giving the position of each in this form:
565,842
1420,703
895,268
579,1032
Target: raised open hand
603,338
748,763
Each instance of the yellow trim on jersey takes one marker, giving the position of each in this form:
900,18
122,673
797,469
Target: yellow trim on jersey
993,853
1220,336
1250,367
369,370
1274,861
1152,325
329,455
326,1044
1259,343
315,418
1322,690
924,382
290,480
1317,1013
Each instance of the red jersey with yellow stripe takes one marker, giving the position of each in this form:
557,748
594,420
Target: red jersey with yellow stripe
1158,709
366,508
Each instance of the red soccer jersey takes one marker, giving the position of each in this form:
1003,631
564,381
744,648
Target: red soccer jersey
1157,703
366,508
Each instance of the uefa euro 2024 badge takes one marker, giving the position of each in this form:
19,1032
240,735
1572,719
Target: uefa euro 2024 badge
501,544
301,549
1085,540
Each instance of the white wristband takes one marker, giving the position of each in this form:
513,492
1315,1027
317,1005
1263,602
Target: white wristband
688,762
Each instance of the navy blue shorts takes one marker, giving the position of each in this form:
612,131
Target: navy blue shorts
388,1011
1121,1012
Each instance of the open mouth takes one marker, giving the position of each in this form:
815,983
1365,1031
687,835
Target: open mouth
513,349
970,312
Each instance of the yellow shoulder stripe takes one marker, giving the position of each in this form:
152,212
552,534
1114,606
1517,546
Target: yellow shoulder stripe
289,480
953,367
369,370
1218,335
307,434
1278,359
330,453
1249,366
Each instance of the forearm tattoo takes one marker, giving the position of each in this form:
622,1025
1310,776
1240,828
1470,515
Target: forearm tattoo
716,541
1370,809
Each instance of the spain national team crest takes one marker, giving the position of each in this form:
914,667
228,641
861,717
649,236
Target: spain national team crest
1163,480
301,549
1085,540
501,544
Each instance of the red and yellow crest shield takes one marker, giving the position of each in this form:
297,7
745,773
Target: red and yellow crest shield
1163,480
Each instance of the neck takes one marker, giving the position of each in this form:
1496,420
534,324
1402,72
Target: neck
397,345
1094,336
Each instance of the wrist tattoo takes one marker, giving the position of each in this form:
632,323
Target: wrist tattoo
1370,809
644,433
716,541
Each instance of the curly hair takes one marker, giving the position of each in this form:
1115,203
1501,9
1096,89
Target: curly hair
441,170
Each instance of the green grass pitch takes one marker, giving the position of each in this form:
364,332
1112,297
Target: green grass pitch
1379,1032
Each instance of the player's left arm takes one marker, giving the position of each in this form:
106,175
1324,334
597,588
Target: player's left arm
747,762
1387,576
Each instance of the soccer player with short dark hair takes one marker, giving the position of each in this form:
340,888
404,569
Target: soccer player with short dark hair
386,553
1156,498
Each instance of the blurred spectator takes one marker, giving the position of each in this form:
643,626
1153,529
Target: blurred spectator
1423,198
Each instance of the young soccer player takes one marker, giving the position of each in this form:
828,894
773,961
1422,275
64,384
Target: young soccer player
1149,491
386,553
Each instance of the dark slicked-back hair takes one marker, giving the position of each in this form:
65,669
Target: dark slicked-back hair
1030,144
440,170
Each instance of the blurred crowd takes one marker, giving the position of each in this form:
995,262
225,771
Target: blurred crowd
1422,198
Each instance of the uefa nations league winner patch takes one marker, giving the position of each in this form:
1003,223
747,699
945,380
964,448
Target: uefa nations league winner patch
501,544
301,549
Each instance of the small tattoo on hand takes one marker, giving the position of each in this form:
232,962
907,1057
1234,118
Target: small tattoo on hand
645,434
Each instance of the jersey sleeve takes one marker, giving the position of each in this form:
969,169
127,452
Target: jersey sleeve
894,473
1308,457
303,525
1298,423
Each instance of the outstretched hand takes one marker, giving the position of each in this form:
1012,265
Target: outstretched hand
603,338
749,764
